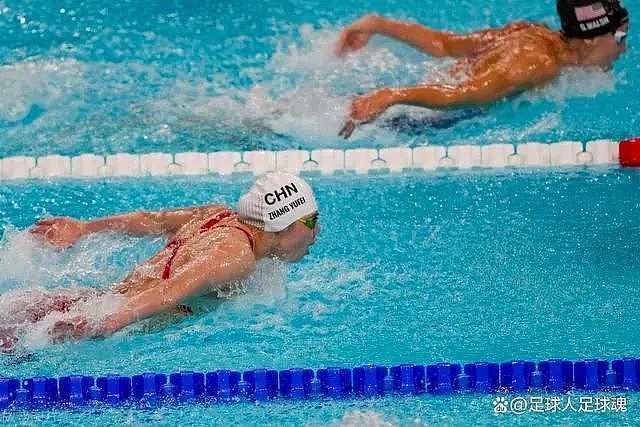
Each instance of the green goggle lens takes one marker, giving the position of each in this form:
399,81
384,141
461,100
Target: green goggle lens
310,222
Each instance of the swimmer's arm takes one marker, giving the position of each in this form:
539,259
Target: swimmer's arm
433,42
148,222
501,80
493,84
64,232
229,262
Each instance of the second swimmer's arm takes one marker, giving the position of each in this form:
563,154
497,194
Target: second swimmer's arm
433,42
506,78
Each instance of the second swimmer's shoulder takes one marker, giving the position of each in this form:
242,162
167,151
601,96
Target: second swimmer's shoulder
519,25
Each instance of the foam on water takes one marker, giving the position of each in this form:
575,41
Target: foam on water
38,82
364,419
95,261
19,260
17,306
575,83
537,126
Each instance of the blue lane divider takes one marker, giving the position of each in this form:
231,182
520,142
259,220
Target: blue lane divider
519,376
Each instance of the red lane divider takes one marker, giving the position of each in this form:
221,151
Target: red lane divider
630,152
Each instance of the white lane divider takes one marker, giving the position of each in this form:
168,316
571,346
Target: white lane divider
327,161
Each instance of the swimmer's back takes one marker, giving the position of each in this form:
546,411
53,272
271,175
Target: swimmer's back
514,43
149,273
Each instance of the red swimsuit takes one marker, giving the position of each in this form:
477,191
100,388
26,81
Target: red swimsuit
208,225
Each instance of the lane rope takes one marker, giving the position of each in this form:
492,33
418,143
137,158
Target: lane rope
327,161
368,381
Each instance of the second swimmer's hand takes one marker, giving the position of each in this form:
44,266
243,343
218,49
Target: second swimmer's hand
366,108
59,232
356,35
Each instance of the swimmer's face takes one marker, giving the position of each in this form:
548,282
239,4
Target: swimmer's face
608,47
294,241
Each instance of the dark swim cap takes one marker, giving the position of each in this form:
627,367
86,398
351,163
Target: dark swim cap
584,19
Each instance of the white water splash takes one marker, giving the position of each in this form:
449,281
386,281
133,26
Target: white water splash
316,272
38,82
97,260
264,286
23,311
364,419
94,310
545,123
571,83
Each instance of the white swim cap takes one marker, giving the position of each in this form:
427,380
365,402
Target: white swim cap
275,201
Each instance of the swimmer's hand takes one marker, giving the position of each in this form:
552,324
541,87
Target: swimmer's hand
67,330
366,108
356,35
60,232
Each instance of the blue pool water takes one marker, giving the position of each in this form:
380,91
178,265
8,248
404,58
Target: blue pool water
413,268
105,77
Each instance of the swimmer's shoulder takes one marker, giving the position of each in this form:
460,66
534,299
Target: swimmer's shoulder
536,34
207,211
198,216
234,239
530,31
526,25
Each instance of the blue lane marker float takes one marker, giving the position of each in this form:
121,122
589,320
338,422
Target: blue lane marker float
368,381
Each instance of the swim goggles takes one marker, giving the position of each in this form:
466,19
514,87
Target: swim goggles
310,221
620,36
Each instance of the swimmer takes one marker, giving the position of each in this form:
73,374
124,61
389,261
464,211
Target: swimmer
210,247
493,63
